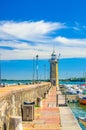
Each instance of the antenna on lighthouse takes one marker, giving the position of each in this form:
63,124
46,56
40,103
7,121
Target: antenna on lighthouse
58,56
53,47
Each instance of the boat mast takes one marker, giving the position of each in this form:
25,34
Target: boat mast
44,72
84,76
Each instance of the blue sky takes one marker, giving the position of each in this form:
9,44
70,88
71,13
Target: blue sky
31,27
23,69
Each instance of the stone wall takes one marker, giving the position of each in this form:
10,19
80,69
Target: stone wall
11,102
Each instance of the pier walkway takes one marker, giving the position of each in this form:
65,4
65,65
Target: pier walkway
50,117
68,121
47,117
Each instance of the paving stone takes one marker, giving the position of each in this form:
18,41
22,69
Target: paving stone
47,117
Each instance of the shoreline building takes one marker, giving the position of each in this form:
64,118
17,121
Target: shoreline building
54,70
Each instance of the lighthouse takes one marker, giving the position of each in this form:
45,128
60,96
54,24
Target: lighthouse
54,70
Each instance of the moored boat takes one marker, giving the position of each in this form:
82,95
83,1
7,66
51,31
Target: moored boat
82,100
82,120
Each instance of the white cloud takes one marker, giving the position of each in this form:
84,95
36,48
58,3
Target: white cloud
25,51
70,52
71,42
30,38
77,26
33,31
15,44
71,47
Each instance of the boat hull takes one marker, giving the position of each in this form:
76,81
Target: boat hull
82,101
83,121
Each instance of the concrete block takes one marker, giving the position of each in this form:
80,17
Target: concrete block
15,123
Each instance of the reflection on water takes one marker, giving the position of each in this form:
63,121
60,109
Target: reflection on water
78,110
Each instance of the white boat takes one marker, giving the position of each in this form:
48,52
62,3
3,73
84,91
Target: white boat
82,120
71,91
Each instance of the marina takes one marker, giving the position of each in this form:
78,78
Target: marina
75,98
78,109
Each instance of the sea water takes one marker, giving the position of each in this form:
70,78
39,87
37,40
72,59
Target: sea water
78,110
12,82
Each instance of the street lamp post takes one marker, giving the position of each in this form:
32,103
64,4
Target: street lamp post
45,72
37,67
33,70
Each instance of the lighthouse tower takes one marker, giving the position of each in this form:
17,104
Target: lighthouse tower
54,70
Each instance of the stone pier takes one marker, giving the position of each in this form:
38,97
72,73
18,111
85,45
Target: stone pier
12,98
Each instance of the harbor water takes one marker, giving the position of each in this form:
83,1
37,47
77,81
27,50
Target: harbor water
78,110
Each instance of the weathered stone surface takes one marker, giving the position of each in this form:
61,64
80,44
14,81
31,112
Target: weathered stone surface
12,98
15,123
39,101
